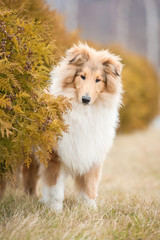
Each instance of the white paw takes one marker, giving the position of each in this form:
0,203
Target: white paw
91,203
42,200
56,206
87,201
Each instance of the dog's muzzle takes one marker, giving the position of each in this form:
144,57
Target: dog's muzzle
86,99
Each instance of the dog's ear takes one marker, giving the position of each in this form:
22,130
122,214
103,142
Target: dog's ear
112,71
77,55
112,66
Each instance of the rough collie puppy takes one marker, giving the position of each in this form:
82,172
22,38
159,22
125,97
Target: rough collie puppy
92,80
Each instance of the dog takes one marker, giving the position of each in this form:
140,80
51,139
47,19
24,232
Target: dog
92,80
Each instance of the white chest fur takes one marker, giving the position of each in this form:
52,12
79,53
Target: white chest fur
90,136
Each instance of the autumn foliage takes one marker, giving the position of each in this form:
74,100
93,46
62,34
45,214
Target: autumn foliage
141,92
32,39
30,118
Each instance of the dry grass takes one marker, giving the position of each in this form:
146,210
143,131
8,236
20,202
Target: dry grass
128,202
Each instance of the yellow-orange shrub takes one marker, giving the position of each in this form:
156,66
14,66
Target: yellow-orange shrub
141,91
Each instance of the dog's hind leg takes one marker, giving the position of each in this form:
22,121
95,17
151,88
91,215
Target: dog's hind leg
87,185
30,176
52,178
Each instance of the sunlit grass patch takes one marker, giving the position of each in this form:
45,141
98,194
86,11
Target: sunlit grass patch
128,205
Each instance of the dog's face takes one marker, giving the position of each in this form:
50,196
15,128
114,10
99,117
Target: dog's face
89,83
92,74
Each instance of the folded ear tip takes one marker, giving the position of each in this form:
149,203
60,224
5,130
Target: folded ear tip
114,66
119,68
77,55
118,74
71,60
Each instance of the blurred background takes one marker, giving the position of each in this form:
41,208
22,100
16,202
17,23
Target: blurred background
132,24
131,29
34,35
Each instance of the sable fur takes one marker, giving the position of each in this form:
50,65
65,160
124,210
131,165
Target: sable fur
88,182
51,173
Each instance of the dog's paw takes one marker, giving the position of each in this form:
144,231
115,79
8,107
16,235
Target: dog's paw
42,200
91,203
56,206
87,201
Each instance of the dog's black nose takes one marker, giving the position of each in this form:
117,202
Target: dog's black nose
86,99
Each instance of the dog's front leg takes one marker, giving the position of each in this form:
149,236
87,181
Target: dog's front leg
88,183
53,178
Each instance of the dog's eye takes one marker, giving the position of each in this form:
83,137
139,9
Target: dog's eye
83,77
98,80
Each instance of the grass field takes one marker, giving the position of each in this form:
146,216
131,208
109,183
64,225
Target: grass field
128,201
